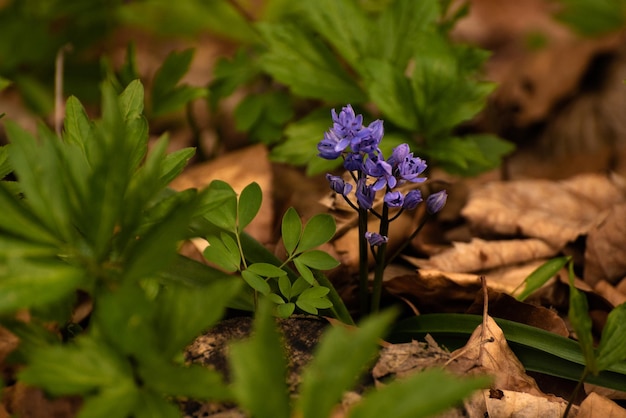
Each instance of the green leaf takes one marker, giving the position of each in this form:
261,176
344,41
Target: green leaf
131,100
76,369
224,252
113,401
166,96
399,29
152,404
19,221
285,310
299,286
314,292
318,259
320,74
314,298
174,163
340,358
249,205
391,90
250,374
348,36
25,283
302,136
5,165
184,312
469,155
194,381
4,83
284,285
305,272
256,282
612,348
229,74
157,247
219,205
317,231
266,270
541,275
578,315
78,127
425,393
276,298
291,229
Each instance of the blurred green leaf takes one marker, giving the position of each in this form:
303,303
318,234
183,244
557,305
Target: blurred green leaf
5,165
78,368
77,127
319,74
4,83
348,36
323,383
151,404
167,96
112,401
229,74
425,393
578,315
399,28
25,283
612,348
248,205
391,90
250,374
263,115
541,275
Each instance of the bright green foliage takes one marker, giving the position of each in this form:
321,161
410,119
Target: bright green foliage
91,212
581,322
541,275
230,214
260,370
397,58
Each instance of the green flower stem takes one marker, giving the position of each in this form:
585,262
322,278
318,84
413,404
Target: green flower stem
577,389
408,240
380,261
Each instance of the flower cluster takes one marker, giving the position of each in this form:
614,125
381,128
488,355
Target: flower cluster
358,145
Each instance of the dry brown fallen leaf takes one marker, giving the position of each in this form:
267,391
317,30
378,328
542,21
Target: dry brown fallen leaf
605,252
480,255
238,168
487,352
556,212
596,406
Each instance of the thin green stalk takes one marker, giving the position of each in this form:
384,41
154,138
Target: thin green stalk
377,287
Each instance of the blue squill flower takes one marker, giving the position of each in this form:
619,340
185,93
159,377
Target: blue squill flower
411,168
347,124
394,199
375,239
353,162
365,194
381,170
330,148
368,139
436,201
412,199
339,185
398,154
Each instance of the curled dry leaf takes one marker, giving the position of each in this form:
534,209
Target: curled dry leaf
479,255
596,405
605,252
487,352
556,212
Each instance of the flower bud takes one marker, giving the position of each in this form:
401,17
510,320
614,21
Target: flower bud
412,199
338,184
375,239
436,201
